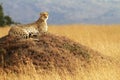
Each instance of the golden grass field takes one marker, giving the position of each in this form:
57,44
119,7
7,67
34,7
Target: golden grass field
102,38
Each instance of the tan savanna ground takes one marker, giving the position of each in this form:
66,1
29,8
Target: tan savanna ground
102,38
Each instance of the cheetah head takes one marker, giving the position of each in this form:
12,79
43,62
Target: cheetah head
44,15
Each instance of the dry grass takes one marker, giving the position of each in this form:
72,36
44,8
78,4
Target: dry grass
4,31
103,38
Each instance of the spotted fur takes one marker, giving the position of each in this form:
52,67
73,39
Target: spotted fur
29,30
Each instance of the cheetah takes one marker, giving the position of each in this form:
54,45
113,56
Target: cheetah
26,31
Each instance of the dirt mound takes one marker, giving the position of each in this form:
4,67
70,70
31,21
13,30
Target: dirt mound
48,53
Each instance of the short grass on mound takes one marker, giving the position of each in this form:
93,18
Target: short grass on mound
51,53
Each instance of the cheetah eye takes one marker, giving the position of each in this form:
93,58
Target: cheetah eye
44,15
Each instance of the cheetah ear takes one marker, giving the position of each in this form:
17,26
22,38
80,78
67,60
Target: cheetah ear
43,13
47,13
40,14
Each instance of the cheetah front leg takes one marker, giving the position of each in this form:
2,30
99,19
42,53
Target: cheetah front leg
34,36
